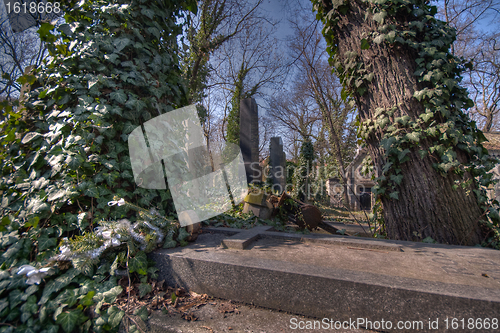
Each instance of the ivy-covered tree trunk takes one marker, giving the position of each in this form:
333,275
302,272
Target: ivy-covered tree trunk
114,65
393,60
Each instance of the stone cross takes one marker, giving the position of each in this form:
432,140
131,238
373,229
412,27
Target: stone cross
243,238
249,139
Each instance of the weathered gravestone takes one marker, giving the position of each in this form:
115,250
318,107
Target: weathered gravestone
377,284
277,165
359,186
249,139
335,189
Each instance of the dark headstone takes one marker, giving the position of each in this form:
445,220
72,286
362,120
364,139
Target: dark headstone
249,139
277,164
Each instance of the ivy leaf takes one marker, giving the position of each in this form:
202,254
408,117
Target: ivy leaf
30,136
50,329
87,299
68,320
379,17
44,29
169,243
74,161
148,12
394,195
121,43
361,90
138,263
397,179
494,214
4,303
115,316
183,234
110,295
68,297
113,57
422,153
426,116
56,195
192,6
144,288
386,143
154,31
413,136
379,39
15,298
402,154
30,306
13,315
92,192
429,240
119,96
446,166
129,127
24,318
57,284
45,242
364,44
142,313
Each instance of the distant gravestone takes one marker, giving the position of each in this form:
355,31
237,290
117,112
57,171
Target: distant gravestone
277,164
249,139
335,189
359,185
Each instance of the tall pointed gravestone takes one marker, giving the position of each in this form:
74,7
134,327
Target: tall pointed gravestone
277,164
249,139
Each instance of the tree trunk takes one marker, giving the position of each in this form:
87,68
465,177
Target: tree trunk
489,121
428,204
334,141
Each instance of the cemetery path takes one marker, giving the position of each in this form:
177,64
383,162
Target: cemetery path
243,319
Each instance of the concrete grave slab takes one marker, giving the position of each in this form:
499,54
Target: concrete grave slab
341,278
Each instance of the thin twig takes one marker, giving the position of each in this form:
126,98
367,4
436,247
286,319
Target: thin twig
129,286
136,324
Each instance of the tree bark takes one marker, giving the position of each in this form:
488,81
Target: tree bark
428,204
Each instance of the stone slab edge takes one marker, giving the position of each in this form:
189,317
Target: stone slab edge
362,242
366,243
323,292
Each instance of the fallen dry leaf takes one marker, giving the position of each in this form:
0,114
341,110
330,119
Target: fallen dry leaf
189,317
190,305
228,308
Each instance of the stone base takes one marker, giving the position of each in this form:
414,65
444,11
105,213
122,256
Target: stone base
342,278
259,211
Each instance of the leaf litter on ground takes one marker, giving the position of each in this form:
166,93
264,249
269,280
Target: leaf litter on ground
160,298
